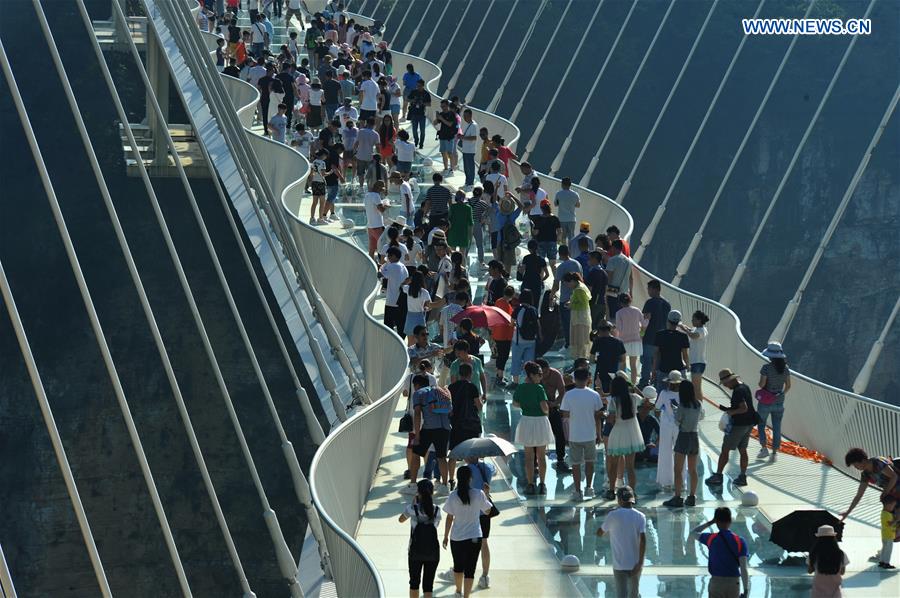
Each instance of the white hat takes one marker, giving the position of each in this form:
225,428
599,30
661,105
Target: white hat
341,70
826,531
401,220
674,316
674,377
649,392
774,351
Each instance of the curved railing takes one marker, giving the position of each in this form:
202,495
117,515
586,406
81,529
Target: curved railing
819,416
346,279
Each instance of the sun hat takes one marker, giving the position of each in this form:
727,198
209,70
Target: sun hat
674,377
649,392
826,531
401,220
507,206
625,494
341,70
585,226
674,316
774,351
726,375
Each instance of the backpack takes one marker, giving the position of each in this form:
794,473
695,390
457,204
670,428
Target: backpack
439,401
423,541
511,236
530,329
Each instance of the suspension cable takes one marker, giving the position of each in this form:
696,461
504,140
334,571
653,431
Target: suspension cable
459,23
865,373
685,264
586,179
440,19
728,294
492,107
462,63
409,42
75,266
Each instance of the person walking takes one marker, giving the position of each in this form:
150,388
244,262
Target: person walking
527,323
502,334
727,556
566,201
482,474
774,383
433,408
447,123
827,562
581,408
418,102
418,301
737,433
410,80
687,444
424,551
480,216
375,205
671,351
437,200
579,317
533,270
618,268
555,388
395,274
626,527
630,325
462,529
467,404
656,309
469,146
533,431
566,264
625,438
461,223
545,227
609,354
667,403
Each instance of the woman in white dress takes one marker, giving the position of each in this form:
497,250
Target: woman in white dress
666,405
625,439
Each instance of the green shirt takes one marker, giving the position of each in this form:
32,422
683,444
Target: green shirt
529,397
581,299
477,370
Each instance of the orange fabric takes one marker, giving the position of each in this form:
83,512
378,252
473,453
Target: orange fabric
503,332
792,448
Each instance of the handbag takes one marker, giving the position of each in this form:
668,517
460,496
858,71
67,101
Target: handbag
494,510
406,423
765,397
725,423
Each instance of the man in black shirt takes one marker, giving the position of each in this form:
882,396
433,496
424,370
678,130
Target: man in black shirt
445,121
419,102
671,351
737,435
332,95
596,279
656,309
609,352
546,227
287,83
232,69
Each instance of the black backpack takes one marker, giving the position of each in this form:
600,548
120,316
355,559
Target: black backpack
530,329
511,236
423,545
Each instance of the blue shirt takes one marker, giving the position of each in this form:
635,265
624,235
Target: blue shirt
478,472
410,79
563,268
582,258
725,548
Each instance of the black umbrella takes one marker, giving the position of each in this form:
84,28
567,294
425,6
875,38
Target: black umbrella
797,532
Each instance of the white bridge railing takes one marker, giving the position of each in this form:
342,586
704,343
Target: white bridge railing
818,416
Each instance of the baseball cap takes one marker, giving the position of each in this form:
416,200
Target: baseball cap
674,316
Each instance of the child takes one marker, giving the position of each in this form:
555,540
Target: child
890,530
292,45
317,170
827,562
304,138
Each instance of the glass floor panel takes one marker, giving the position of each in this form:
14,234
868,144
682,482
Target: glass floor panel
687,587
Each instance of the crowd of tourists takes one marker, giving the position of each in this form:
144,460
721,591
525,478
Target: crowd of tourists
632,375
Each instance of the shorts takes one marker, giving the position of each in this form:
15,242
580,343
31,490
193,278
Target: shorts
395,110
634,349
485,522
459,434
366,114
738,438
439,437
318,188
698,368
448,146
404,166
374,234
581,452
332,193
362,166
547,249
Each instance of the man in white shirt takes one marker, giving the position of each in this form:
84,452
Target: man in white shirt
368,97
581,406
626,528
345,113
375,209
407,201
469,147
257,72
498,179
395,274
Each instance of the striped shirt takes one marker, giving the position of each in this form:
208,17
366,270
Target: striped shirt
478,209
438,198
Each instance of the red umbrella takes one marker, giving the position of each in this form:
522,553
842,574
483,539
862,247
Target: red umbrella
483,316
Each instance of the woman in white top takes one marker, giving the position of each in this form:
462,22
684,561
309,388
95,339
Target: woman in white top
424,552
666,405
418,301
463,529
625,439
697,352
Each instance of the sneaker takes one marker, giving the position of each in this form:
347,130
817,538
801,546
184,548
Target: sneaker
589,493
875,558
577,496
542,488
741,480
763,453
323,221
609,494
452,484
675,502
406,475
562,467
714,480
690,501
442,490
883,565
499,382
484,582
447,575
410,488
529,489
313,221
